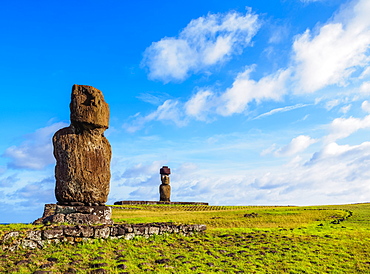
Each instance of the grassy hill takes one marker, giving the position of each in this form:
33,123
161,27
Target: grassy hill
239,239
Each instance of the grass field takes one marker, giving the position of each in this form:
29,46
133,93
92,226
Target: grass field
240,239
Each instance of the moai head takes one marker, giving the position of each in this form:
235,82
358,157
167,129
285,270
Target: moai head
165,179
165,171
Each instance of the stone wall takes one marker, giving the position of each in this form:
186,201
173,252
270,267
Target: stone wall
157,203
38,238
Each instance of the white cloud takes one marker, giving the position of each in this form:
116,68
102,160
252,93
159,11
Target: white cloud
331,104
36,193
328,56
268,150
365,88
36,151
332,153
244,90
199,104
170,59
141,174
170,110
365,73
336,174
279,110
204,42
343,127
154,98
23,200
365,106
336,52
296,145
345,109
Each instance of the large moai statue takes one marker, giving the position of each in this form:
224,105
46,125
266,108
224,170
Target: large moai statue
165,188
82,170
82,152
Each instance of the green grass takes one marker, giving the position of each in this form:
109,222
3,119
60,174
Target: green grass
320,239
228,216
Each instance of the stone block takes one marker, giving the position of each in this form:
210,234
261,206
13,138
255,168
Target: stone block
79,218
101,232
34,235
28,244
153,230
11,235
72,231
52,234
87,231
55,219
129,236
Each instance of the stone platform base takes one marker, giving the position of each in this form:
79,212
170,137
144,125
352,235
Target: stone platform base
76,215
157,203
39,237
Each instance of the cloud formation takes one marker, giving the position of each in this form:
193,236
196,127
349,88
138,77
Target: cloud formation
330,55
335,173
204,42
279,110
36,151
36,194
170,111
335,53
343,127
297,145
365,106
245,90
199,105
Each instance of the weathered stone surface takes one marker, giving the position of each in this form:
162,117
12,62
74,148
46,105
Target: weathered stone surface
165,179
29,244
38,238
165,188
77,215
49,209
34,235
88,106
83,165
101,232
57,218
79,218
9,236
165,192
117,231
153,230
82,152
87,231
52,233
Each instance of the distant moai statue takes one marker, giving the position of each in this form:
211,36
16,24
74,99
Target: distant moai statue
165,188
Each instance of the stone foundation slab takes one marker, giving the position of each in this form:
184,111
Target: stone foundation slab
77,215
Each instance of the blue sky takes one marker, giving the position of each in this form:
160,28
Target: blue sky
249,102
